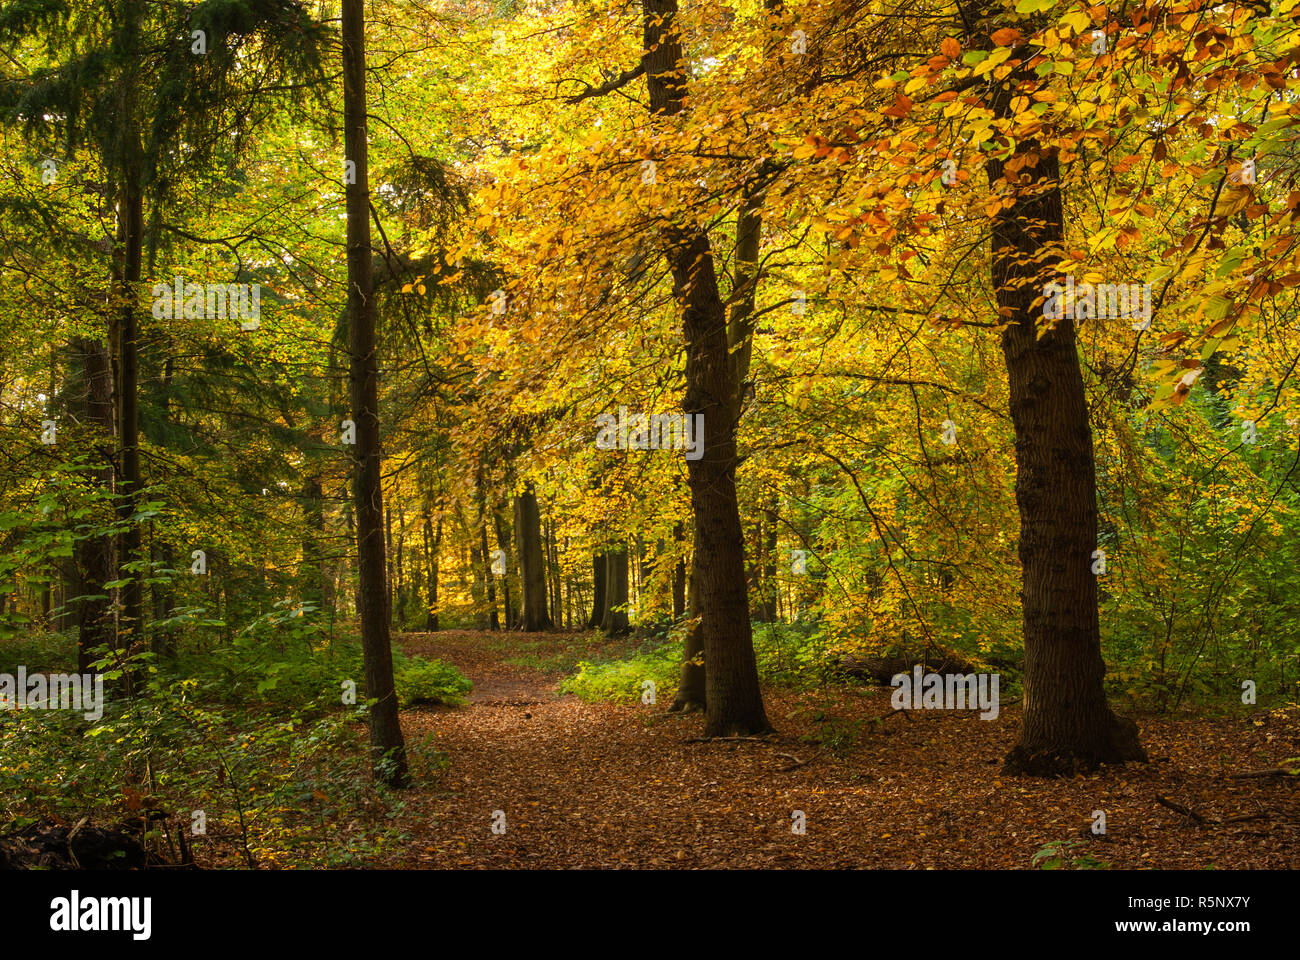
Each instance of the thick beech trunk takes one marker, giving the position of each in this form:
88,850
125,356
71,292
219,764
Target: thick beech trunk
734,700
1068,725
691,693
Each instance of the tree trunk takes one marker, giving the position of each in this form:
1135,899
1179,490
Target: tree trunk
691,687
506,547
615,623
431,620
679,577
767,568
131,236
598,565
532,564
312,577
734,700
489,582
387,746
1067,724
489,578
95,556
164,641
390,566
553,573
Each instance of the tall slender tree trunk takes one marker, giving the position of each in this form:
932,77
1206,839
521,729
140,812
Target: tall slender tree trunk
553,573
431,620
1068,725
131,236
506,547
163,552
387,746
390,566
489,576
489,580
679,576
400,591
312,577
767,567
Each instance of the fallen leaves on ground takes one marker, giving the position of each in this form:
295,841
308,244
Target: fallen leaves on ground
610,785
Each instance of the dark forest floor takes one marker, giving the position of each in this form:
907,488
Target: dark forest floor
610,785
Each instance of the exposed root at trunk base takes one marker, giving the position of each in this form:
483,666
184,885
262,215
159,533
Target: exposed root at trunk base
687,706
1119,744
736,730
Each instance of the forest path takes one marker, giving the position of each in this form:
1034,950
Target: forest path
619,785
583,784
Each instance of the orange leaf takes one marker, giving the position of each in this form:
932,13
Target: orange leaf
902,104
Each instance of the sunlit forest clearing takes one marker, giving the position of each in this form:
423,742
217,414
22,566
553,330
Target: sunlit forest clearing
755,434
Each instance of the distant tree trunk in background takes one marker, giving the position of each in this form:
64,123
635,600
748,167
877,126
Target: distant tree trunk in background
489,578
431,620
164,641
568,603
754,559
1067,726
767,612
387,746
553,570
346,569
615,622
388,571
93,399
399,592
532,565
598,566
66,619
506,546
679,576
312,578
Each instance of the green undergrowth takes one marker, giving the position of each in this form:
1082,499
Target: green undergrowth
257,741
788,655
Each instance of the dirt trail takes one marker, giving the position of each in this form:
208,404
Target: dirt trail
609,785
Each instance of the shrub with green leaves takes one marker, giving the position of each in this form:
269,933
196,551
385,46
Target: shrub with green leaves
429,681
622,680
